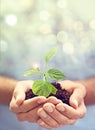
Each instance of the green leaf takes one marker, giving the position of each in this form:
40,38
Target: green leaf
50,54
55,74
43,88
31,71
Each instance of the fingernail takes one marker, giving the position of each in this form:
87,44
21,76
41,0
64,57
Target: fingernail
43,114
49,109
41,123
61,108
19,100
41,101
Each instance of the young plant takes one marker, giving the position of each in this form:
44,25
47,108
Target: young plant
43,87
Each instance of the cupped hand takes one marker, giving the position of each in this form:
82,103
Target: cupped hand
54,115
25,110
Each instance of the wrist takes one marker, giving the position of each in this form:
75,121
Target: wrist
90,90
7,86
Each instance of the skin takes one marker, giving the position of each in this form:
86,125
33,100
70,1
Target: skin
7,86
82,91
47,112
90,90
25,110
53,116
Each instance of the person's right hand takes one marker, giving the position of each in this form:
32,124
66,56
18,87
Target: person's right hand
25,110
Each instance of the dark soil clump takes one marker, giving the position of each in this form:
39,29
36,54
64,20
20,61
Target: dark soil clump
61,94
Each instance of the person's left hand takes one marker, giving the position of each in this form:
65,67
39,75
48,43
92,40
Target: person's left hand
54,115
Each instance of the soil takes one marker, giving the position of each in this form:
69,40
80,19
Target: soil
61,94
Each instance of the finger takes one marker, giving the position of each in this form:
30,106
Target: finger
47,119
56,115
78,92
21,88
53,100
70,112
77,96
28,104
43,124
66,110
19,94
19,97
30,116
13,106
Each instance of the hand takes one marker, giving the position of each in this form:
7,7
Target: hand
25,110
55,115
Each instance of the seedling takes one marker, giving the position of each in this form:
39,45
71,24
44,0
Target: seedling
43,87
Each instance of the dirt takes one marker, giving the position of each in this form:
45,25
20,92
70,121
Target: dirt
61,94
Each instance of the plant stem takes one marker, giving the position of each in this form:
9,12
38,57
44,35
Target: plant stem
44,77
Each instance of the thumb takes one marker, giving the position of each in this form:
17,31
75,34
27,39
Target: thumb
76,98
20,98
19,95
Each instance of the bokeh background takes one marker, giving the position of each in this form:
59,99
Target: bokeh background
29,28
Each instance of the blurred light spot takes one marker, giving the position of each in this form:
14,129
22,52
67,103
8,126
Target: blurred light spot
78,25
68,48
11,19
36,65
92,24
44,15
26,4
3,46
62,3
45,28
62,36
68,21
